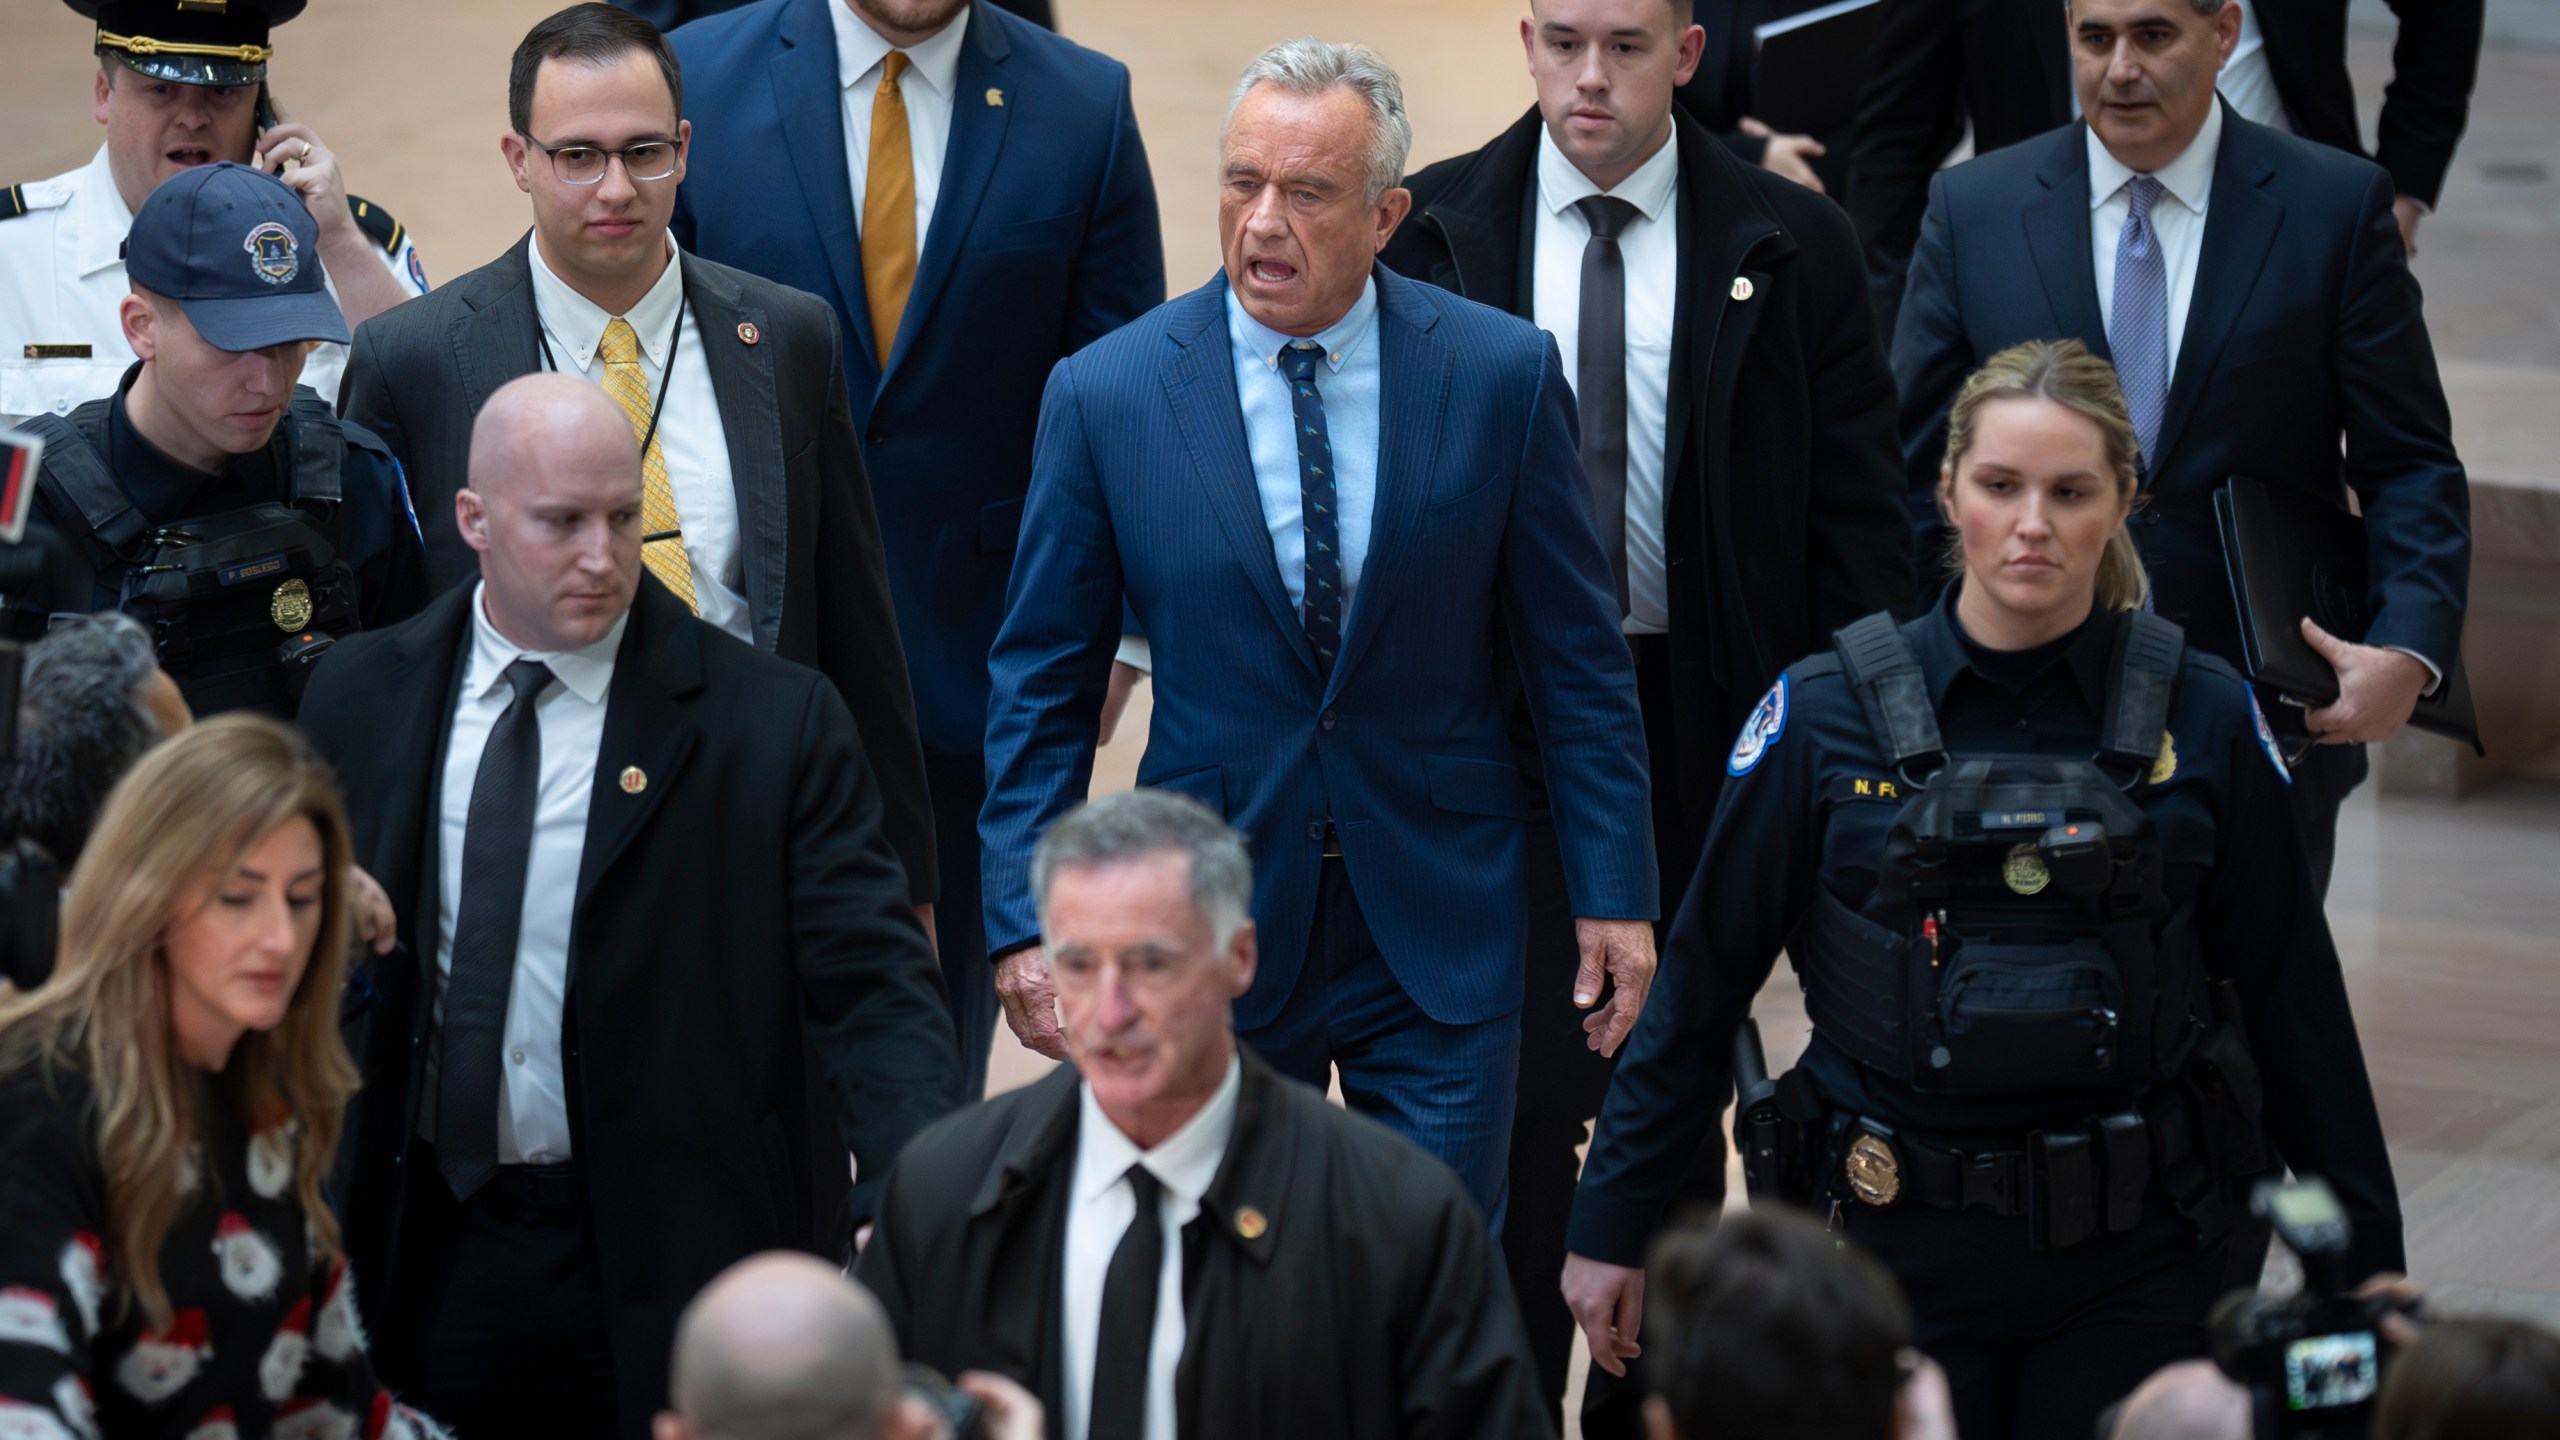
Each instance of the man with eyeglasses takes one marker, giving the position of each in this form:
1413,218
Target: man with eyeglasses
758,513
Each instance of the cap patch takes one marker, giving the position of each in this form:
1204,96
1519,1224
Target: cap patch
1768,721
272,253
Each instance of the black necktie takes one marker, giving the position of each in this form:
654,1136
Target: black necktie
1317,501
1600,375
497,844
1128,1319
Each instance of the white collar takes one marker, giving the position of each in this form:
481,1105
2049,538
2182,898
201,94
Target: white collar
1648,189
1338,339
100,218
587,672
1187,1160
2188,179
579,322
860,49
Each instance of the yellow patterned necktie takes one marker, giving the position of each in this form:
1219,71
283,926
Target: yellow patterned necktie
628,384
889,209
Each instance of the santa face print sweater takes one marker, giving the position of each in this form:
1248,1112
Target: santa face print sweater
263,1338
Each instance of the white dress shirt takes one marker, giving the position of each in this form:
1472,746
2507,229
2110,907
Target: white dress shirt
533,1092
927,89
1650,246
1347,381
2177,217
2247,82
1099,1210
691,436
62,282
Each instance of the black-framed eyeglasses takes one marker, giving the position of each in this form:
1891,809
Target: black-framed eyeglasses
586,164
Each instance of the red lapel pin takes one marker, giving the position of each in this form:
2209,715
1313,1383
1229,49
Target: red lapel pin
748,333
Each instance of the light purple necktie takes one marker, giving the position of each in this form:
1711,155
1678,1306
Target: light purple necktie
2138,330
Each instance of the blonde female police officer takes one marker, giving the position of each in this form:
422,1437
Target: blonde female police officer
2065,964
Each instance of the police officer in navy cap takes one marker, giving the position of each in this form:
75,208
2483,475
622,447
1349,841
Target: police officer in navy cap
2067,970
210,496
180,83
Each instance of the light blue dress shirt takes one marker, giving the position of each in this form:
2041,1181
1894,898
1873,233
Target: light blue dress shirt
1348,381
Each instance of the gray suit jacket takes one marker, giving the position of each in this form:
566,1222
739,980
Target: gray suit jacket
816,583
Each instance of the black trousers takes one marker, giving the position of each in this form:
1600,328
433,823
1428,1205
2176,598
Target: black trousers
501,1332
959,787
2036,1344
1562,1080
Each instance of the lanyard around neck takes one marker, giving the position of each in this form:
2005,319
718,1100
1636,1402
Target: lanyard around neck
542,337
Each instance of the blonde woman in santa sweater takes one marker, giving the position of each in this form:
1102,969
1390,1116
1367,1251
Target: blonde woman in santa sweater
169,1104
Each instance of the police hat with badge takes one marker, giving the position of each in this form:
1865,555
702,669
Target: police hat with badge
241,603
190,42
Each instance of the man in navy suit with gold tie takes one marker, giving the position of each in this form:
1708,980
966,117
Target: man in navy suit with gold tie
969,191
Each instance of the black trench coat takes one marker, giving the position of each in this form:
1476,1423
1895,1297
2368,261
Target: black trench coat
1337,1281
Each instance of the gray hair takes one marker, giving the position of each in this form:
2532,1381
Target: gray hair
1310,67
81,725
1117,829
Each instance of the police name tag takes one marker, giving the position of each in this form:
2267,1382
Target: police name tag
1768,721
248,570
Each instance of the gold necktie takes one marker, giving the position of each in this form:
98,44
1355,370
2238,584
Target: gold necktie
628,384
889,209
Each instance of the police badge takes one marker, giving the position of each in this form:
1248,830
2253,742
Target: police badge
272,253
291,607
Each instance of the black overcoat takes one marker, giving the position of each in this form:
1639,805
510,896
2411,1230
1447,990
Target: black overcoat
1337,1281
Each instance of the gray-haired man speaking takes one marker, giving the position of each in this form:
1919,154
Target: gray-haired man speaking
1166,1238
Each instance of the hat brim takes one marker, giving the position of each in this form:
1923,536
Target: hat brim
254,322
189,69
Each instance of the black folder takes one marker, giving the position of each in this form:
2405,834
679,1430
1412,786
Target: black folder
1812,66
2291,554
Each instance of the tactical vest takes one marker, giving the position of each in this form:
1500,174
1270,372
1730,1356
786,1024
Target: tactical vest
240,604
2019,940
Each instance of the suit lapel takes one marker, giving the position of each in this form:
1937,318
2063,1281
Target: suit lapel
495,340
1721,225
977,140
1413,398
811,104
648,727
1200,385
427,657
751,422
2241,221
2057,224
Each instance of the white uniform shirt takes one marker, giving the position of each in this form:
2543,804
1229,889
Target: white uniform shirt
926,87
1650,247
2177,217
2246,81
1099,1210
62,282
533,1090
691,437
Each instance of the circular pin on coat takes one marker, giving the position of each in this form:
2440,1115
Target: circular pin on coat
1252,1224
748,334
1741,287
633,781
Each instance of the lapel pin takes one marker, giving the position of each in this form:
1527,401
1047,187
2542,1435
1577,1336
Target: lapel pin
633,780
1741,287
748,334
1251,1223
995,98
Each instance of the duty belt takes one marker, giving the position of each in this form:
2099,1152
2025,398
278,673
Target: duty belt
2069,1182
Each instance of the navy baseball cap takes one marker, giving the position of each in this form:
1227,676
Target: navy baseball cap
235,247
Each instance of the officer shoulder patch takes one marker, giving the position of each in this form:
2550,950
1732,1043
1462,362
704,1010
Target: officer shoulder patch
13,202
2267,740
1768,721
376,223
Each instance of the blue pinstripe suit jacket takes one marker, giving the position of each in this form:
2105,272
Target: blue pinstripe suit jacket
1142,485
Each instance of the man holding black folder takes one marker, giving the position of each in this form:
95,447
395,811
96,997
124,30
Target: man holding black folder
2253,292
1737,434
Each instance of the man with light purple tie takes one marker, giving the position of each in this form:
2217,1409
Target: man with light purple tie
2253,293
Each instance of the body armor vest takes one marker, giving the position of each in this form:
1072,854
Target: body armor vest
240,604
2019,940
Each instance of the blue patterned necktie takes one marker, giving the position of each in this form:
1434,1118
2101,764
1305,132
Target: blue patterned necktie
1322,608
2138,331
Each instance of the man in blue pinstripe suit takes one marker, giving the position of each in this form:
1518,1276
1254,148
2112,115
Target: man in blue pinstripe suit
1328,493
